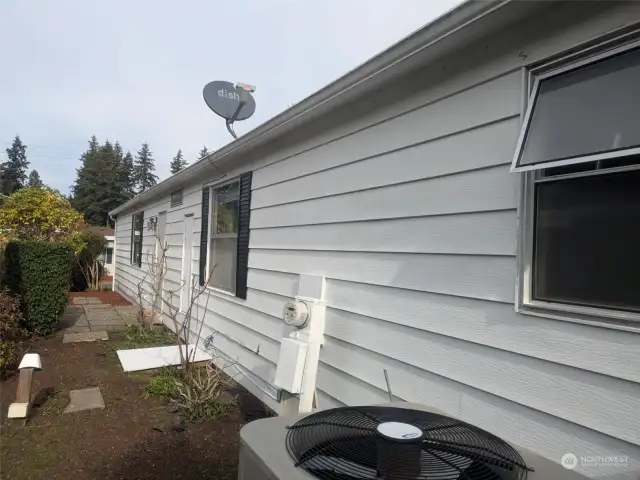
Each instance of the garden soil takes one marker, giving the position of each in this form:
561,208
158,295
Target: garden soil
132,438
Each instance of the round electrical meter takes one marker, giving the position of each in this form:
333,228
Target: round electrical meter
296,313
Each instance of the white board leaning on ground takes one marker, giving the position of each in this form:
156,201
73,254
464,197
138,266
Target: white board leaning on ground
137,359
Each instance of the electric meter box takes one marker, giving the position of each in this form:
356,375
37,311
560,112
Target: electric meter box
293,354
296,313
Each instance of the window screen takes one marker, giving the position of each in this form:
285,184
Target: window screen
587,232
584,114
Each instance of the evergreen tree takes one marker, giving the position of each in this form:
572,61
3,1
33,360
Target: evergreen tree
178,162
90,183
124,166
127,171
101,184
13,172
34,179
203,153
143,169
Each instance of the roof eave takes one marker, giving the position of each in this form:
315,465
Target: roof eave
356,82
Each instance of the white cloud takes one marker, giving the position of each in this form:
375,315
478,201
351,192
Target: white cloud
134,71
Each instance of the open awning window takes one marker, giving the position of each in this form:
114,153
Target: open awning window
587,112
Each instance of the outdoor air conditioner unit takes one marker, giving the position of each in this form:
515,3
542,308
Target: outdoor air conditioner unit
394,442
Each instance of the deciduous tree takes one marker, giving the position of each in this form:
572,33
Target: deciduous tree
38,214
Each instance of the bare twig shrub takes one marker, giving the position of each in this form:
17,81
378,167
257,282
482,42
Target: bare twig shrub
201,393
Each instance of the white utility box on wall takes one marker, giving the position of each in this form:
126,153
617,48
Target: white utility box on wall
293,355
300,349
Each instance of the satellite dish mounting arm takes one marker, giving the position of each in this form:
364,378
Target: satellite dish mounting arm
230,121
245,90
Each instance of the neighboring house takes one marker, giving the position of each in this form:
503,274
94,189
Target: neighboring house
505,295
107,258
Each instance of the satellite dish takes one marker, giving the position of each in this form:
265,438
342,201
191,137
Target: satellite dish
224,98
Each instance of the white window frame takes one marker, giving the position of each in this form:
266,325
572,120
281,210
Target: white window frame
210,236
541,73
531,174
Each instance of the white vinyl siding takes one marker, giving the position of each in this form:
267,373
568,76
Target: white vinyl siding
411,213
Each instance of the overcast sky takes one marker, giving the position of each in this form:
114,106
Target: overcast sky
133,70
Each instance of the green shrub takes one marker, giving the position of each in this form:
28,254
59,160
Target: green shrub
11,332
2,267
39,273
164,384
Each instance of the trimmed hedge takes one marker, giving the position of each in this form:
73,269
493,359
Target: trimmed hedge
40,274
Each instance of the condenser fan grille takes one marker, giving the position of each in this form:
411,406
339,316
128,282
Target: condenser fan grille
397,444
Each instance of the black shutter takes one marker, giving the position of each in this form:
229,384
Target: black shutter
244,214
204,233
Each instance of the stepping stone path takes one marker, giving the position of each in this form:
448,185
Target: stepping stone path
91,317
84,399
85,337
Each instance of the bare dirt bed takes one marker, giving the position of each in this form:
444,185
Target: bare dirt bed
106,297
132,438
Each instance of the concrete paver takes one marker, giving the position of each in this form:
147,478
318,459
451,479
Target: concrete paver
89,315
68,321
84,399
112,328
77,329
85,337
96,306
96,323
129,313
73,309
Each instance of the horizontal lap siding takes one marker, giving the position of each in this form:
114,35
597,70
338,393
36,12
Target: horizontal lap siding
414,222
128,276
410,213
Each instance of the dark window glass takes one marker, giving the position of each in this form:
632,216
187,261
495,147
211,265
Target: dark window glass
587,238
136,238
593,109
107,255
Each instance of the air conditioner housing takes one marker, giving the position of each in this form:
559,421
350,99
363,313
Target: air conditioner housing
263,453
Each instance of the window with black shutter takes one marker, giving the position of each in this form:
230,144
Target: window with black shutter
137,225
224,245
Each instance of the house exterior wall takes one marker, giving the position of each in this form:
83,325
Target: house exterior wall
410,212
109,267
